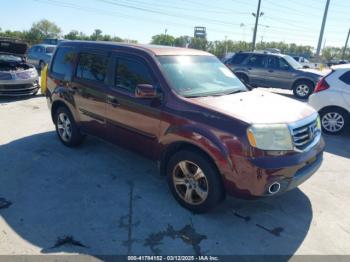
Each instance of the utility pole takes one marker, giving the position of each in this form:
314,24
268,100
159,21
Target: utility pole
225,45
346,44
322,29
257,15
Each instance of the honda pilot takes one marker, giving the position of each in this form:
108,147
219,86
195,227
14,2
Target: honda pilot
186,110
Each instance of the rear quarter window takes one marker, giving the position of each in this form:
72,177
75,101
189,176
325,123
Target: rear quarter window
63,63
345,78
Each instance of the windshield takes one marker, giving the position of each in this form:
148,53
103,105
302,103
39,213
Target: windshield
10,58
49,50
292,62
194,76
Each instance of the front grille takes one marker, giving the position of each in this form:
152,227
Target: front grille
304,135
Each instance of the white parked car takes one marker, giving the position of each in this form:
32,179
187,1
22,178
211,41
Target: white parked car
331,99
306,63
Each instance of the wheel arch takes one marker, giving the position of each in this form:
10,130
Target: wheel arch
300,79
57,104
326,108
175,147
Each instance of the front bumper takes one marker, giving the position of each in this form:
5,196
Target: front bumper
19,87
252,177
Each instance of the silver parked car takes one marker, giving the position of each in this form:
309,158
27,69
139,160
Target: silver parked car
40,55
17,77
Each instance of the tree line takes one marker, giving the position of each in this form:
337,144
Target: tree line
47,29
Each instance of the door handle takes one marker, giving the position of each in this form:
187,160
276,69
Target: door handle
249,68
271,71
113,101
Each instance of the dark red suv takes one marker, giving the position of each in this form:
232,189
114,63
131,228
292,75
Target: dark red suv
186,110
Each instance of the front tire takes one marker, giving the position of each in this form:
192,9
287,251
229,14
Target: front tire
334,121
66,128
194,181
303,89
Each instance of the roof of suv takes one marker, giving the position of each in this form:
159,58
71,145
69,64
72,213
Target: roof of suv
263,53
157,50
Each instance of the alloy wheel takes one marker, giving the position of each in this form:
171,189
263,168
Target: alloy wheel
333,122
302,90
190,182
64,127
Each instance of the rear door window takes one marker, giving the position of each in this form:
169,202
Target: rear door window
130,73
238,58
92,67
255,61
63,63
345,78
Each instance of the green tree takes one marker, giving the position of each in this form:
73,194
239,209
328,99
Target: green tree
163,39
96,35
182,41
44,28
199,43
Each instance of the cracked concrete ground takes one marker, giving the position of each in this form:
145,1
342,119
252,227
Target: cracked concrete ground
101,199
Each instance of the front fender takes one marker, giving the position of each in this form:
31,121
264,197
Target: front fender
202,138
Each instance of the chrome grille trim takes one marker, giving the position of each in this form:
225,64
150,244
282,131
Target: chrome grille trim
305,133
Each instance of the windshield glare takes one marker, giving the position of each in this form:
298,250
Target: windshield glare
292,62
194,76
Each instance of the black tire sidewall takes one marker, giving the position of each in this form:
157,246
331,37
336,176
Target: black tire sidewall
216,191
76,136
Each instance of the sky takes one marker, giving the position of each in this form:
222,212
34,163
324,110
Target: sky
297,21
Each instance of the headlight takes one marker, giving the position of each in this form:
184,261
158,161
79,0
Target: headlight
318,123
270,137
33,73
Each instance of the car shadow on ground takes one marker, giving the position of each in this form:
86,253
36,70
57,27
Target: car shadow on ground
7,100
103,200
338,145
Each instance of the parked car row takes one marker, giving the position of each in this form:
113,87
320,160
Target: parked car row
263,69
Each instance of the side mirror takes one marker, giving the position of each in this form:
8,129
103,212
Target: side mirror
145,91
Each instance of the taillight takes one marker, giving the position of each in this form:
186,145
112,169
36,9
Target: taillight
321,85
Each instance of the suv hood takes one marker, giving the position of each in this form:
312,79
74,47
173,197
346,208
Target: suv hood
312,71
257,107
13,47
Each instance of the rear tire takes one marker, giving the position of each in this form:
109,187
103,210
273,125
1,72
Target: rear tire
66,128
334,121
194,181
303,89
